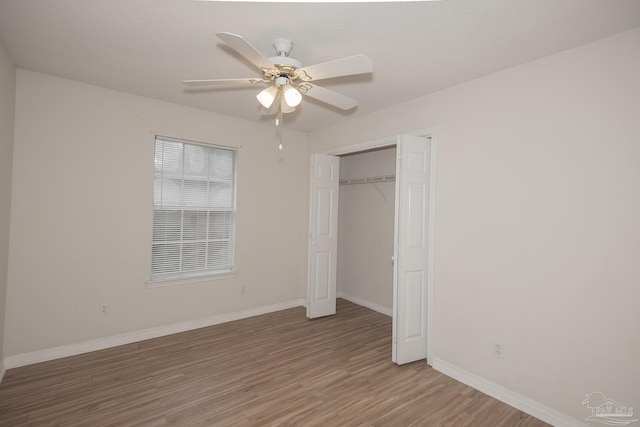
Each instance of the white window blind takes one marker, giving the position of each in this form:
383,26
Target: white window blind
193,209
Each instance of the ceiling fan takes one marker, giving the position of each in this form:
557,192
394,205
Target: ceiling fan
288,79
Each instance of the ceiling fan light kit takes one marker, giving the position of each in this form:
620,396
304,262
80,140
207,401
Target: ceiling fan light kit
288,79
292,96
267,96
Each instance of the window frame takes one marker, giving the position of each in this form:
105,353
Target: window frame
197,275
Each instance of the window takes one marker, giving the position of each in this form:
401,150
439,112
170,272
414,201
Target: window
194,201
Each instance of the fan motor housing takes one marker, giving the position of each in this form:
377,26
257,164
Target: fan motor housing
285,61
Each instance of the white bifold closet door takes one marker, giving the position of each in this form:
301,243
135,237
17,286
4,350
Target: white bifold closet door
411,250
323,236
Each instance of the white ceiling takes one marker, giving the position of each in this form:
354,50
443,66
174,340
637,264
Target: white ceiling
147,47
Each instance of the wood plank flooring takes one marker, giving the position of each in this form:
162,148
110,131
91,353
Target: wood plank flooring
272,370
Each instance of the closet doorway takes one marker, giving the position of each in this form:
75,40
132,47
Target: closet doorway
365,228
412,238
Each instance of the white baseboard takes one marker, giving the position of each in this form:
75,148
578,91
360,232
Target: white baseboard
510,397
363,302
131,337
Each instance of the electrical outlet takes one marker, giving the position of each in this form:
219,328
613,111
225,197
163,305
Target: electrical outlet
498,350
103,310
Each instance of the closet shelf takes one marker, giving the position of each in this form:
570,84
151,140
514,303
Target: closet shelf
368,180
375,180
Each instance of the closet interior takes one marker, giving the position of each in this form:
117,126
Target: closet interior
365,228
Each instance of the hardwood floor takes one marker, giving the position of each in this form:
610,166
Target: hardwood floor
274,369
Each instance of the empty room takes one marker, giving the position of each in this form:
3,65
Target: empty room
330,213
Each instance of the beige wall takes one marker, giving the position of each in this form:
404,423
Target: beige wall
82,211
537,232
365,229
7,109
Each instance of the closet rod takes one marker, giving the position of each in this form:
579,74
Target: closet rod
368,180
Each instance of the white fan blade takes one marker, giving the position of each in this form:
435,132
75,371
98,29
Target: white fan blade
356,64
330,97
220,81
240,45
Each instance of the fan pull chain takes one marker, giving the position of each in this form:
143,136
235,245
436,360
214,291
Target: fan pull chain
279,116
279,129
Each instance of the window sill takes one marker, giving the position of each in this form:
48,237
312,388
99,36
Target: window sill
185,280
